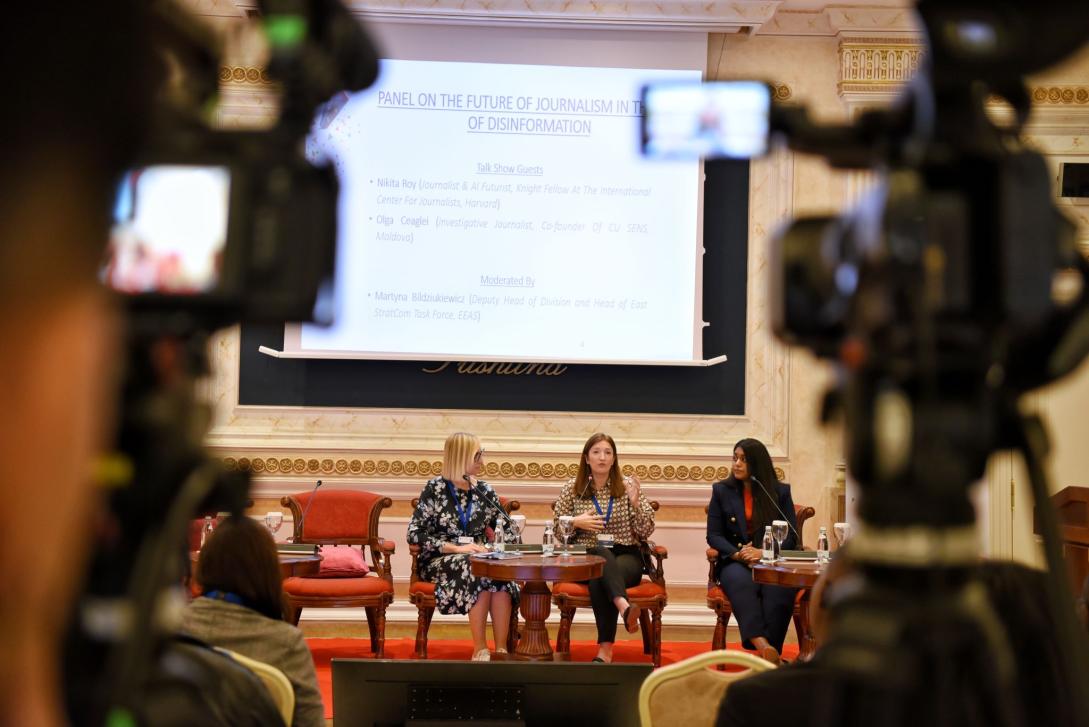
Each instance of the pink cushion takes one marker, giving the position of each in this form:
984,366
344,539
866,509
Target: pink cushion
342,561
336,587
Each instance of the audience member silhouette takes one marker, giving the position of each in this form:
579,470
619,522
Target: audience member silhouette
812,693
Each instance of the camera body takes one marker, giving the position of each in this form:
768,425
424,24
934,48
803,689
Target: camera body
224,226
951,291
939,298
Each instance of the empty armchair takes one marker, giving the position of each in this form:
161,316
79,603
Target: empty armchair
343,517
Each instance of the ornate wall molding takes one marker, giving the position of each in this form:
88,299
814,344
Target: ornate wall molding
706,17
244,75
1060,95
783,92
833,21
288,465
876,65
505,470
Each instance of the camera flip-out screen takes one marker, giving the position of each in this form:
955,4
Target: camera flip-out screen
170,230
723,119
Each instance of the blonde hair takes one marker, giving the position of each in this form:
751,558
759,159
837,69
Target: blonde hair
457,454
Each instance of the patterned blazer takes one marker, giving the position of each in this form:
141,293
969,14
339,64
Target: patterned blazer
628,524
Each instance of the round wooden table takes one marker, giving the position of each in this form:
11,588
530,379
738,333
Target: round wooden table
291,564
793,574
299,564
537,571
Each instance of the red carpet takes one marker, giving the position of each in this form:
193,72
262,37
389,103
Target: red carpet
324,650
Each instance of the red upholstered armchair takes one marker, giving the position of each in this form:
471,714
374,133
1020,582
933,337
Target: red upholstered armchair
649,596
343,517
422,594
720,604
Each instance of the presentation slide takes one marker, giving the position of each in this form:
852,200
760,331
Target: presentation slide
503,211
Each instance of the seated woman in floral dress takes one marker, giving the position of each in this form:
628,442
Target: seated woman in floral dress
449,525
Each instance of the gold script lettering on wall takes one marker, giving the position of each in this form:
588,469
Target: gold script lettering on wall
495,368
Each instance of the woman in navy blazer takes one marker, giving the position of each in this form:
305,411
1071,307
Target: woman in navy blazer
741,507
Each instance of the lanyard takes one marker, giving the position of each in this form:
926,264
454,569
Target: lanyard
608,516
463,515
225,596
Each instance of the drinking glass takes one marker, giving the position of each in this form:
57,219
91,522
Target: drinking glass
779,532
273,521
842,531
565,528
518,524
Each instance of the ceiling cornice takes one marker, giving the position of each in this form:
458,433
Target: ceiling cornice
745,16
766,17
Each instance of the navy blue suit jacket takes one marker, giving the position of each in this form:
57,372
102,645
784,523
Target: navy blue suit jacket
727,529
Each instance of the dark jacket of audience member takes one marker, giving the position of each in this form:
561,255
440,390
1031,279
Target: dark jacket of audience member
797,695
242,610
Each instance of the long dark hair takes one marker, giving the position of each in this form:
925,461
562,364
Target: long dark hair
583,480
764,508
240,558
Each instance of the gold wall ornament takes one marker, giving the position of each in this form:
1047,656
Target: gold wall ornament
248,75
498,368
782,92
877,65
1060,95
503,470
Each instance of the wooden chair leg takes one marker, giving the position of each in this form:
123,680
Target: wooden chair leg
563,638
512,631
377,625
423,624
657,655
718,641
645,626
371,618
292,612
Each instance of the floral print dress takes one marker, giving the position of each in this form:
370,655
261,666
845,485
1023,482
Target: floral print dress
435,522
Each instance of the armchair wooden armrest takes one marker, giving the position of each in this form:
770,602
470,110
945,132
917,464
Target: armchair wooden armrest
653,557
712,561
383,548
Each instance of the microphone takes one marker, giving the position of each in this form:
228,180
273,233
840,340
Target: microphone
309,504
488,496
776,504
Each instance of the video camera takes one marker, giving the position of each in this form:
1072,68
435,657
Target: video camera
211,227
219,226
952,290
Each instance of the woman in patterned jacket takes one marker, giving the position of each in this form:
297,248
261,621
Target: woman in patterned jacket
449,525
601,500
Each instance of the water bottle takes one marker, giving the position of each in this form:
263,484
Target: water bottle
822,545
769,546
548,542
206,530
500,545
